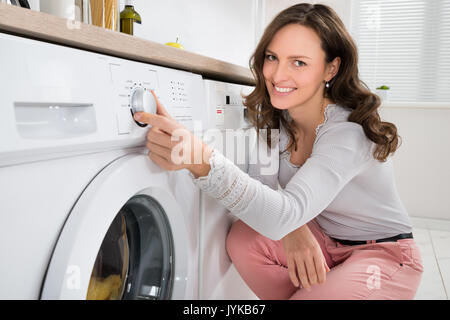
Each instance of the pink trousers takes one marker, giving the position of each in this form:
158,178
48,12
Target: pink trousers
386,270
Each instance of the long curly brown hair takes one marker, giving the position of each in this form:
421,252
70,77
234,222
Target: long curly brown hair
345,88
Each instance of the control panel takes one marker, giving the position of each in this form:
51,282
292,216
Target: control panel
132,93
132,86
78,101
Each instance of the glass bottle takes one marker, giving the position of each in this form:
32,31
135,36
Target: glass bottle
128,17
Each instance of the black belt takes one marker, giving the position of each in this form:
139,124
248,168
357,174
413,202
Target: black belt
391,239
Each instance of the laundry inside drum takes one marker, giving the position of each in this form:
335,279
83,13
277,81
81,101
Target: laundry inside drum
136,258
110,270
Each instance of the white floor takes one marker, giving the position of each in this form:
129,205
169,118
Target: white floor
433,238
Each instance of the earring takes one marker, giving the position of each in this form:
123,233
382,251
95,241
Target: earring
327,84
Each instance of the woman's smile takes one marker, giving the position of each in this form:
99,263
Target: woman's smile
282,91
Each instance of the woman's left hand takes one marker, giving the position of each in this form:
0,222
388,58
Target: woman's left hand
172,146
305,260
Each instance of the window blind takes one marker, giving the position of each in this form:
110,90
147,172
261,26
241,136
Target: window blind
404,44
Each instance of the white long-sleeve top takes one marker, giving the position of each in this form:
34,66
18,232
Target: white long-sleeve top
352,195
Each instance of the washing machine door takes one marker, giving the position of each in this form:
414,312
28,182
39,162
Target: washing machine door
125,238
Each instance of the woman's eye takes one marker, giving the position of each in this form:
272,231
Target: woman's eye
270,57
299,63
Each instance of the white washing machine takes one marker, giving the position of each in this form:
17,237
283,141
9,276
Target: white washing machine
85,214
230,132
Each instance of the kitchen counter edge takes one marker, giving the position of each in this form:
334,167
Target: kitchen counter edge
50,28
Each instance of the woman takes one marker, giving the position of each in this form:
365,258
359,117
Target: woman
336,229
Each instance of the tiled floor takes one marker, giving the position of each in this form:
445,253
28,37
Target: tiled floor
433,238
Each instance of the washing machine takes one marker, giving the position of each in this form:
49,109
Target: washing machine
85,214
229,131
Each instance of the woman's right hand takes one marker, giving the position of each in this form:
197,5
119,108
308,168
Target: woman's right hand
305,260
172,146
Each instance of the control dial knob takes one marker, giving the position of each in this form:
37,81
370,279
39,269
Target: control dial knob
142,100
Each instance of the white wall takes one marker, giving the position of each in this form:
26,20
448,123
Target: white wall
221,29
421,163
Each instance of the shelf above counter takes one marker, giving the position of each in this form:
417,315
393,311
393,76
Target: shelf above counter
50,28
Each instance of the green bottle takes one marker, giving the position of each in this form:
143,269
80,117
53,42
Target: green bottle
128,17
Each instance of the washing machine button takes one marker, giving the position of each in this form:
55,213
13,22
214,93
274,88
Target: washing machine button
142,100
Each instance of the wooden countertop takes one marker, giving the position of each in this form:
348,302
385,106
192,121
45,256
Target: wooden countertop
46,27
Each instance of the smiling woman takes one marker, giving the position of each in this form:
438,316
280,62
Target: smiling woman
296,85
335,169
319,55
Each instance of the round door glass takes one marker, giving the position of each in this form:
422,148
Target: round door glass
135,260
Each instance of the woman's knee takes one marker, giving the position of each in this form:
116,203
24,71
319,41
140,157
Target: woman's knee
239,238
